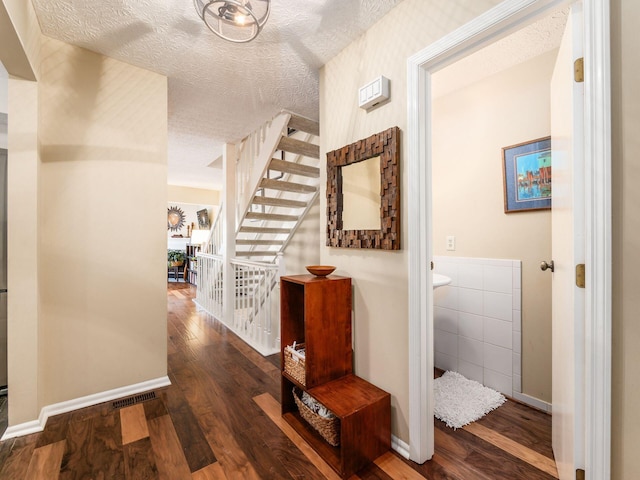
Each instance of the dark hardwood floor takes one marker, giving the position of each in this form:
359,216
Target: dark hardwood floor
220,419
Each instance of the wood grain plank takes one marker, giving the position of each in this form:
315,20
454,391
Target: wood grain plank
17,462
272,408
210,472
395,468
481,456
88,413
235,463
539,461
155,408
242,374
194,444
206,393
133,423
75,461
263,363
56,430
372,472
139,460
5,449
105,449
451,455
45,462
522,424
170,459
216,377
281,448
264,462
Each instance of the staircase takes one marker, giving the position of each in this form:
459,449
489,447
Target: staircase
277,181
284,194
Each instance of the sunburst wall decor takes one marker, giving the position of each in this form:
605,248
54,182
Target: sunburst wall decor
175,219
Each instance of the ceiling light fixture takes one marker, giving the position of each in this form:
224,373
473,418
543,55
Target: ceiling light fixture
237,21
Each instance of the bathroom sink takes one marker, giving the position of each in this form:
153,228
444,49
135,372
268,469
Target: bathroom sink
440,280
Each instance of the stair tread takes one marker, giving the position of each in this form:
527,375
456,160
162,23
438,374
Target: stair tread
304,124
278,202
300,147
259,242
257,253
294,168
264,230
287,186
271,216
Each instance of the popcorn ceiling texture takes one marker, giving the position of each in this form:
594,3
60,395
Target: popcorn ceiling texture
531,41
218,91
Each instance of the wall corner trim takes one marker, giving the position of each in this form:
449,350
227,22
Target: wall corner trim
38,425
401,447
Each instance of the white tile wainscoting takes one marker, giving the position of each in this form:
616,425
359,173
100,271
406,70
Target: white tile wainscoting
478,321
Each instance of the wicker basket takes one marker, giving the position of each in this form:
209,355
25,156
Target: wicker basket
293,364
328,428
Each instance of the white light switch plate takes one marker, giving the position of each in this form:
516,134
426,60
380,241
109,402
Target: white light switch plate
451,242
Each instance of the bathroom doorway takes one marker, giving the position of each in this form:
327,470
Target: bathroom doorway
508,16
493,256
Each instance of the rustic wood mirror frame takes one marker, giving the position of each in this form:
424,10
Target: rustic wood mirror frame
386,145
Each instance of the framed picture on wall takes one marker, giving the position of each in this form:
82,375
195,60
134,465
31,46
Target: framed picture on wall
526,169
203,219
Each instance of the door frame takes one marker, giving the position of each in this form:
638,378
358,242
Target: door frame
505,18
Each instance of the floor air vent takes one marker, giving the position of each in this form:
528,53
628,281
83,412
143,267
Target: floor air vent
127,402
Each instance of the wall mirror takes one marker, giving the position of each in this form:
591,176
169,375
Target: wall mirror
363,193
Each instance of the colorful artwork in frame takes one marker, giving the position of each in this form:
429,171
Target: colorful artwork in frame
527,176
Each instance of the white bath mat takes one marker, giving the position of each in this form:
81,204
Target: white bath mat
460,401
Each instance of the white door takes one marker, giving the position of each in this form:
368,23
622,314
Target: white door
568,242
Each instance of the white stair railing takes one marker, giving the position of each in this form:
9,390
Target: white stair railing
257,309
214,243
255,153
209,295
256,317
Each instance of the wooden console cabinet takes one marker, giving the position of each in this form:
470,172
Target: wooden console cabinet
317,311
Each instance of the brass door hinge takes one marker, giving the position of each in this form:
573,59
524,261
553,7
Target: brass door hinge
578,70
580,475
580,275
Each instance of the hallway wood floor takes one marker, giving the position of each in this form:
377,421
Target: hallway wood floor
220,419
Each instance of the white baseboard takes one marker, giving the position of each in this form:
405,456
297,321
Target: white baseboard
21,429
399,446
532,401
35,426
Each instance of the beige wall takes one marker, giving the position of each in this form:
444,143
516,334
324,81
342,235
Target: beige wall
304,246
198,196
22,249
103,135
470,126
191,200
87,167
380,277
625,77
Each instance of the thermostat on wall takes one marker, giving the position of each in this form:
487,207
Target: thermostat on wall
373,93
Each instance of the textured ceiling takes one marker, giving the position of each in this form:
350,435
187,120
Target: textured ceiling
218,91
529,42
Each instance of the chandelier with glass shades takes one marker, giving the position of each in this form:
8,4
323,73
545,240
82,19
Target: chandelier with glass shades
237,21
